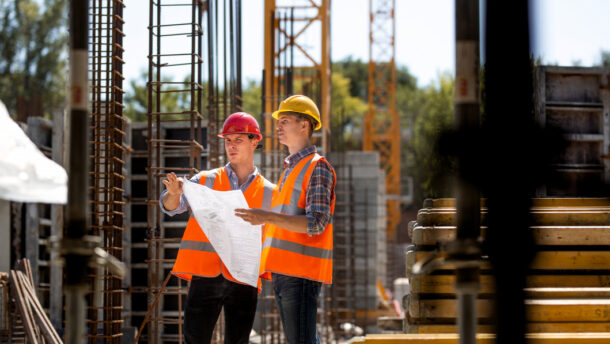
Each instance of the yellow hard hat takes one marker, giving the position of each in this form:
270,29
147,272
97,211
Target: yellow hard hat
300,104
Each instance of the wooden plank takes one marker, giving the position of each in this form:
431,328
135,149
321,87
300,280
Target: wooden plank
567,293
562,327
441,310
38,312
543,235
572,260
556,310
536,202
485,338
555,217
22,306
443,284
433,328
430,338
25,267
544,260
593,310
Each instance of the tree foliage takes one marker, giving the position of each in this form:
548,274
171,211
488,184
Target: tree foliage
252,101
605,56
33,52
432,115
136,99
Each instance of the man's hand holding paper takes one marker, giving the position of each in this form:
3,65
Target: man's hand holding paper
237,242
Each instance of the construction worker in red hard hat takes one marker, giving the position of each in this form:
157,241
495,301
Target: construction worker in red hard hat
298,235
211,285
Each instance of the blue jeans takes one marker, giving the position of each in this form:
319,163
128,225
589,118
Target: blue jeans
297,302
206,297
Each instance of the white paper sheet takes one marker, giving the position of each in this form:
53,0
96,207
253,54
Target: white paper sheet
237,242
27,175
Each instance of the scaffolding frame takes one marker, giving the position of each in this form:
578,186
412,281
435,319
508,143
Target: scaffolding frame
293,66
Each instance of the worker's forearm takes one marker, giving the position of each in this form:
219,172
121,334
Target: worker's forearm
295,223
171,202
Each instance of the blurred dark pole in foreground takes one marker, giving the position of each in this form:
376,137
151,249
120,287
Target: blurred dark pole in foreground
74,249
467,121
512,158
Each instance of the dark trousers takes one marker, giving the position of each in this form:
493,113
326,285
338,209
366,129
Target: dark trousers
297,302
206,297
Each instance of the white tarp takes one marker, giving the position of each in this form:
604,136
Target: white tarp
26,175
237,242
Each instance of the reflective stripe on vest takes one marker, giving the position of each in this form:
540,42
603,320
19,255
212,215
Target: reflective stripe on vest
293,207
210,178
291,246
267,194
197,246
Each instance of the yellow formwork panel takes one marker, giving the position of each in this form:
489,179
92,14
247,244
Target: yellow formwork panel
551,327
543,235
553,310
536,202
544,260
538,285
549,217
532,338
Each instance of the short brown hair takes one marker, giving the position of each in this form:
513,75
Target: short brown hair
302,117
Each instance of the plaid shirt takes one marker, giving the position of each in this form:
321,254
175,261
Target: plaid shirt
320,191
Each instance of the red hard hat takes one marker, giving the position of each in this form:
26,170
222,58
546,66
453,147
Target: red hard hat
241,123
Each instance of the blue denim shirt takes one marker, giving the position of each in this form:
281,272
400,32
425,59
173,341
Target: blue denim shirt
184,205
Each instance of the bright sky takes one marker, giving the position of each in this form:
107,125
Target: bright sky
566,32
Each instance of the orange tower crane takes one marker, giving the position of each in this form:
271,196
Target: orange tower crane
381,123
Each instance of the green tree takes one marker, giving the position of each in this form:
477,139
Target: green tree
605,55
347,113
33,52
252,102
432,114
136,99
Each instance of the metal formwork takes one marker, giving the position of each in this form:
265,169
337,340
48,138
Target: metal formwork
576,101
107,160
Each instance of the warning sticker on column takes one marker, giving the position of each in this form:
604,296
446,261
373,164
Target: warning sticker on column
466,72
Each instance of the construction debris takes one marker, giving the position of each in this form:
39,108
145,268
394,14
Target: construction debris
26,308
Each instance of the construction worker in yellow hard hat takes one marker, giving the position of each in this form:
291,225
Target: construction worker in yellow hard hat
212,287
298,235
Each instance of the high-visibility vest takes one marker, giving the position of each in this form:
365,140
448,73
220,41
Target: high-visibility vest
196,256
297,254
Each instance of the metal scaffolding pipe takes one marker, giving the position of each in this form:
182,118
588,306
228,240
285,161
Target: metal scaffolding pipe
75,286
468,195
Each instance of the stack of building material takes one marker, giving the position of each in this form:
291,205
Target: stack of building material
568,285
28,310
360,250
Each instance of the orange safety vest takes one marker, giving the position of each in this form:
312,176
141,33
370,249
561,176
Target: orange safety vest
196,256
297,254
